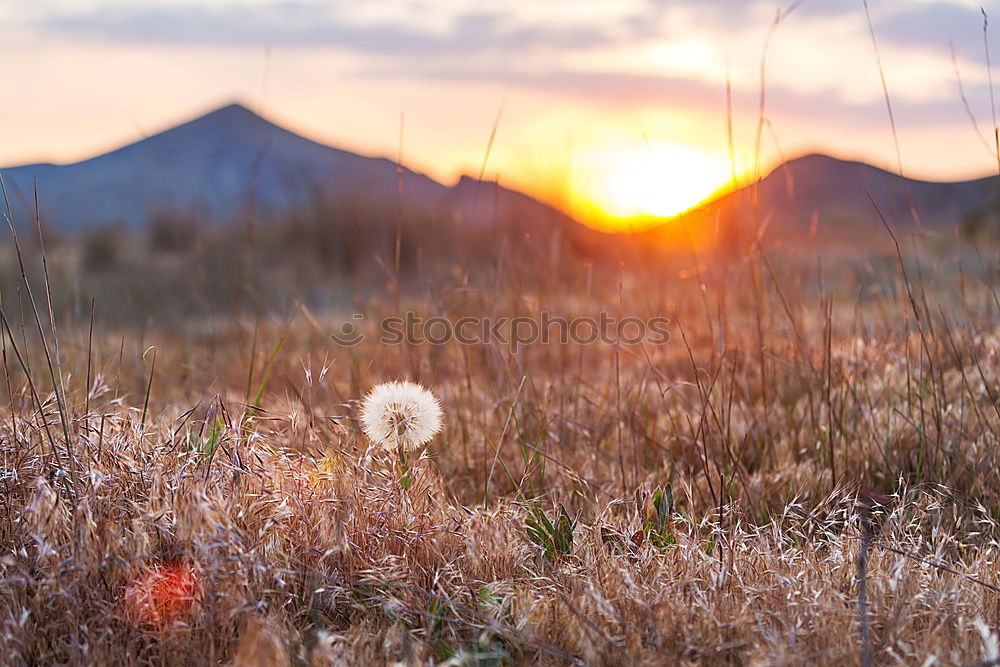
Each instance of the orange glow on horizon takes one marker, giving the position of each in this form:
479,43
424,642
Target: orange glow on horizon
630,189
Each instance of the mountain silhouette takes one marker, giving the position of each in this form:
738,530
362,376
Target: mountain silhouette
231,163
829,193
223,166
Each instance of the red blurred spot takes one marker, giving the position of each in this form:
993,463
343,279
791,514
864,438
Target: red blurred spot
163,594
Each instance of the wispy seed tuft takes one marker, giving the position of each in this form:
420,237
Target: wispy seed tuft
400,415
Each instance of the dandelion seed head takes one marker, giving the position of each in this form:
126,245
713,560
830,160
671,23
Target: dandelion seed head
400,414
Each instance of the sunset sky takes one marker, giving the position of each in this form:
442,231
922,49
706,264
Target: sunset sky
601,100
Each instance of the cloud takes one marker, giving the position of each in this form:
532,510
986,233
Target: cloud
933,25
489,46
300,24
629,90
927,25
921,24
733,13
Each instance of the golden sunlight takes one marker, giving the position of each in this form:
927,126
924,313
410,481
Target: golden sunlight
654,180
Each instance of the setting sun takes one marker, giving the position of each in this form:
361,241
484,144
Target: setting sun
652,180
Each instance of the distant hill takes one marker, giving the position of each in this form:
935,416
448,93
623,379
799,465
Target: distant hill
831,193
223,165
216,167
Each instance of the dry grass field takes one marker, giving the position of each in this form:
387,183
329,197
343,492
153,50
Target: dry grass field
806,472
